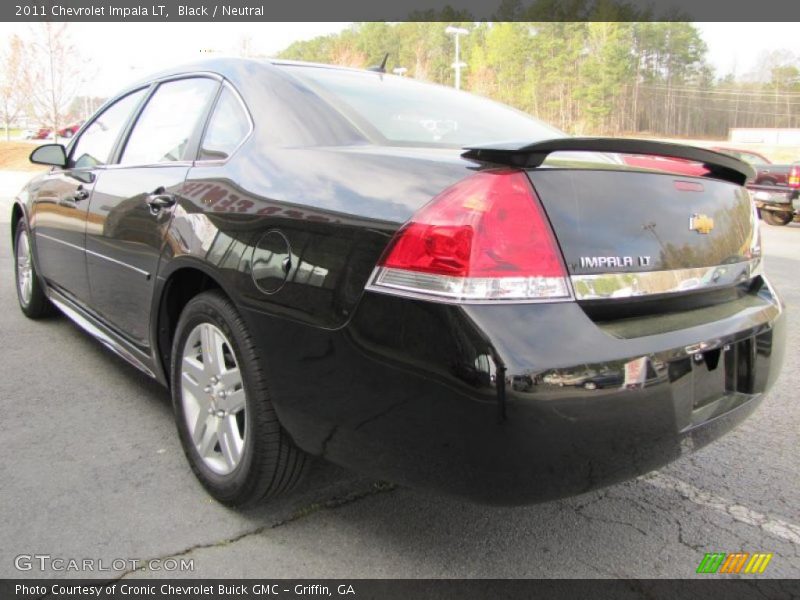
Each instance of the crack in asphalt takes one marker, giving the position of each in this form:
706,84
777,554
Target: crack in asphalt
327,440
600,519
592,565
775,527
378,487
682,539
380,414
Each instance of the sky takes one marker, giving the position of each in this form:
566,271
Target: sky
735,47
120,53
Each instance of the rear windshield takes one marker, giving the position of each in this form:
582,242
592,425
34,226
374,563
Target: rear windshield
404,111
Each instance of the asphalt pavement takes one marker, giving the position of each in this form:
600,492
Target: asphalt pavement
92,470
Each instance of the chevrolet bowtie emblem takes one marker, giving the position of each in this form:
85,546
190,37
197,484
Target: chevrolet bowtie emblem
701,223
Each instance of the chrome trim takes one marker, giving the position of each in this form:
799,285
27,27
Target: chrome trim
70,146
222,161
97,254
97,331
648,283
186,75
52,239
394,290
119,262
159,165
152,85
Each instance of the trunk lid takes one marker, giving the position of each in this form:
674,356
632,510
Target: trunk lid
625,222
627,232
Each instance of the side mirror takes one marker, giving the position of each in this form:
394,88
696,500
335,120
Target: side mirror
54,155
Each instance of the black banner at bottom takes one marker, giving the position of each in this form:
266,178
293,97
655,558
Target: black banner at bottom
379,589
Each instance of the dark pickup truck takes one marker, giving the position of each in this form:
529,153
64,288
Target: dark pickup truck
775,188
779,204
767,173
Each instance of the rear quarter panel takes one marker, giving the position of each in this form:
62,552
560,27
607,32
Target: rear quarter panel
337,208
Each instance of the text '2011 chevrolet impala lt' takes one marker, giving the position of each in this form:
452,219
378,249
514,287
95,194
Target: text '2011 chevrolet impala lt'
413,282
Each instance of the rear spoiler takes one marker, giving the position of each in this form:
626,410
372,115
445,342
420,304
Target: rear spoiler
519,154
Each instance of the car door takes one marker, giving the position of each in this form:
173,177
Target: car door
132,202
61,200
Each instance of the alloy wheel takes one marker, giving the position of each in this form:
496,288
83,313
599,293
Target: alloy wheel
213,398
24,268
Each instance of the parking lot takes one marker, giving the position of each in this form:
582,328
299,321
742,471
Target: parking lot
93,469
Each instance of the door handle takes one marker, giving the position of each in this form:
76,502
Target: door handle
80,194
159,199
71,200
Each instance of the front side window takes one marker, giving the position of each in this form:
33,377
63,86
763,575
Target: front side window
228,126
94,146
164,128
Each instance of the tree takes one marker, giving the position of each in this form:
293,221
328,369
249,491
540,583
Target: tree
13,93
612,71
54,76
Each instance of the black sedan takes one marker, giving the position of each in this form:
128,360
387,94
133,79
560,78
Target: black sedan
328,262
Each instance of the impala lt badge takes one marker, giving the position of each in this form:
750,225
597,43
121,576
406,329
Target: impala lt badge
595,262
701,223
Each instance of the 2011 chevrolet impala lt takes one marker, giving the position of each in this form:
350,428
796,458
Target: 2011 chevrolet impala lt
340,263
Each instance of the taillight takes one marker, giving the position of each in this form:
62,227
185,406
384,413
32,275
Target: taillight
486,238
754,252
794,176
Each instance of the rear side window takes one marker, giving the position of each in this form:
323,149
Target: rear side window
228,127
164,129
753,159
405,111
94,146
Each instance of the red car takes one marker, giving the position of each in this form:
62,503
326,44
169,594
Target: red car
754,158
42,133
661,163
767,172
70,130
45,133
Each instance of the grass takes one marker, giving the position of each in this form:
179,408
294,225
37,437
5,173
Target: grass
13,133
14,156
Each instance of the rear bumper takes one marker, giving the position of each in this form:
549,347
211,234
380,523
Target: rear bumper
492,402
779,199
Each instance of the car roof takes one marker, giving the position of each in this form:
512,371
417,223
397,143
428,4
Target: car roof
265,86
231,67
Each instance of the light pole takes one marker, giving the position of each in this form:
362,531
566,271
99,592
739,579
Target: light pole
456,32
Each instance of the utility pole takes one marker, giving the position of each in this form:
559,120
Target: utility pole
457,65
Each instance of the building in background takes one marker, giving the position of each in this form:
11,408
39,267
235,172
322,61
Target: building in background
773,136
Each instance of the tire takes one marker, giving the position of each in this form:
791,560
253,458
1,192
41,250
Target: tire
766,181
777,217
30,291
590,385
228,427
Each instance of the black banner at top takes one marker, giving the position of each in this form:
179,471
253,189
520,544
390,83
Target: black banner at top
399,10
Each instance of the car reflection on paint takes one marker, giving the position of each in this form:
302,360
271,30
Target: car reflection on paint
572,377
731,272
604,379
